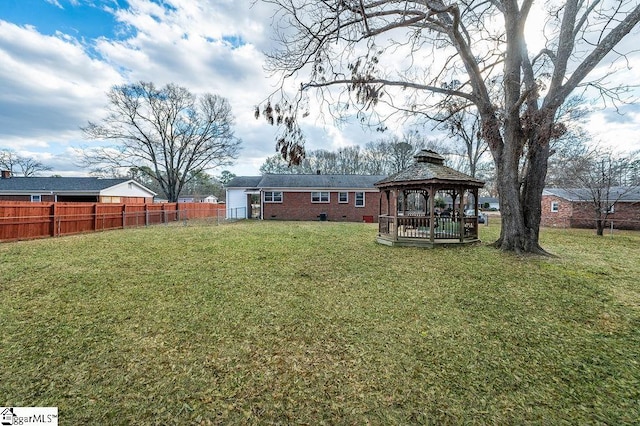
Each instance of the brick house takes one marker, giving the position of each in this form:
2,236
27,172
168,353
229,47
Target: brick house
573,208
348,198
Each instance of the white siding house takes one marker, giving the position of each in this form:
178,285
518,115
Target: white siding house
239,195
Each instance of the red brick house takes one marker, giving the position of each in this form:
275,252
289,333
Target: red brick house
348,198
574,208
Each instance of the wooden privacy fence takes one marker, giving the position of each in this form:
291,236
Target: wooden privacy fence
21,221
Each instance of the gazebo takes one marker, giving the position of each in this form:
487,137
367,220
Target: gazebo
424,205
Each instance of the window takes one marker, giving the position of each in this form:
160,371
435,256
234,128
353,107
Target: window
359,199
36,198
273,196
611,209
109,199
555,206
343,197
320,197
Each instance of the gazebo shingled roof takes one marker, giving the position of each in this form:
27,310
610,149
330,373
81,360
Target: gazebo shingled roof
429,166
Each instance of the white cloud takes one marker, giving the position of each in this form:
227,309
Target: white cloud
619,133
56,3
49,85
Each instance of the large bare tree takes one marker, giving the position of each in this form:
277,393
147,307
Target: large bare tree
12,161
392,56
166,133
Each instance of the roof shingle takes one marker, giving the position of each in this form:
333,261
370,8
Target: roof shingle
305,181
57,184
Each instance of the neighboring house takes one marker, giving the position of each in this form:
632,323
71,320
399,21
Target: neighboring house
351,198
574,208
73,189
198,199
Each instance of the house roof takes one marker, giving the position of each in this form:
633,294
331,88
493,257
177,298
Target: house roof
429,167
305,181
60,184
616,193
244,182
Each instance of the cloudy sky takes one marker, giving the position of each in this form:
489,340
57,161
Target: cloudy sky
58,58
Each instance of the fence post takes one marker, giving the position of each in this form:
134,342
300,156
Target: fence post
95,216
124,215
53,219
146,214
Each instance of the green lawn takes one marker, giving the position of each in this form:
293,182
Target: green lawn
314,323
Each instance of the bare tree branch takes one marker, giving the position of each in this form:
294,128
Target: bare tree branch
165,133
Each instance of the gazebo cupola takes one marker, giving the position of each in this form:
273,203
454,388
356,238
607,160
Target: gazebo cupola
428,156
424,204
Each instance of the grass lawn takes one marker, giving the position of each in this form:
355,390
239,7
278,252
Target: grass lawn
281,323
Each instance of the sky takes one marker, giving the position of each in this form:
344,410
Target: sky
58,58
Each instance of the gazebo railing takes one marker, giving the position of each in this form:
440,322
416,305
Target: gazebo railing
445,227
385,225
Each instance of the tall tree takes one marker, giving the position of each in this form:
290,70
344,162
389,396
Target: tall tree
165,132
28,166
225,177
463,126
352,46
401,152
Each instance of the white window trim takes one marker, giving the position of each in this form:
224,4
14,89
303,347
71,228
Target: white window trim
264,196
611,209
38,196
363,199
555,206
345,201
320,197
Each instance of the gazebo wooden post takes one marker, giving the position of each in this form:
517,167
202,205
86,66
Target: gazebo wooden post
460,217
404,202
476,210
395,214
432,216
461,214
380,213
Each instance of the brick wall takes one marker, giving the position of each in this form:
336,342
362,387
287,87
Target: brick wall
581,214
559,219
26,198
298,206
624,216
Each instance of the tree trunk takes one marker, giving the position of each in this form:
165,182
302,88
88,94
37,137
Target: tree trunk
600,227
534,182
521,207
